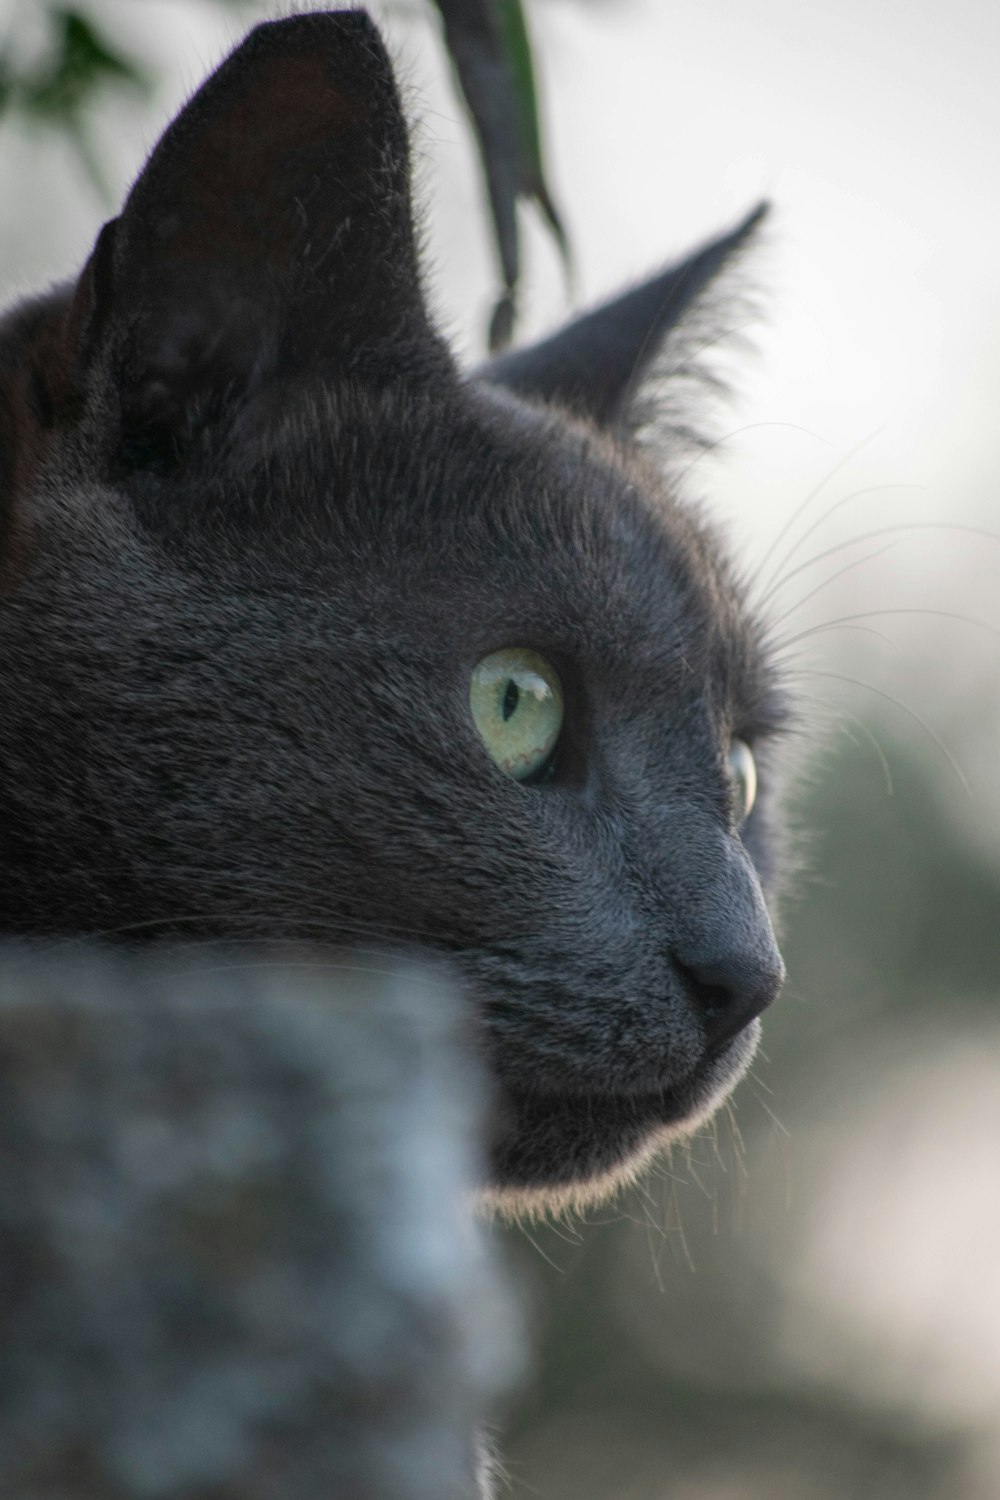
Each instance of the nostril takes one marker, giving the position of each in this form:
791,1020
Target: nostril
729,993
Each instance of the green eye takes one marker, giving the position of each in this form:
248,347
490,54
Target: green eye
517,705
743,775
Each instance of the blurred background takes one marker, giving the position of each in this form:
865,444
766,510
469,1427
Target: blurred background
806,1304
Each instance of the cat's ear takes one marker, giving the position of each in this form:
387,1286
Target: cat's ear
597,365
270,230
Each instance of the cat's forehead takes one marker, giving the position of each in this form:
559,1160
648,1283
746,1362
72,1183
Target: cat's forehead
483,516
470,478
531,491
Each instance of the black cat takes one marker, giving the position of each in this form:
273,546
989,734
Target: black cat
305,634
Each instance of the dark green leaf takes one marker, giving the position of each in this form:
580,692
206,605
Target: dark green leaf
517,48
491,52
82,64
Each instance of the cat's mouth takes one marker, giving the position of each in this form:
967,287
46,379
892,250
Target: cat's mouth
600,1138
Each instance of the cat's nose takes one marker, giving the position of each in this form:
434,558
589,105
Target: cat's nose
724,946
733,988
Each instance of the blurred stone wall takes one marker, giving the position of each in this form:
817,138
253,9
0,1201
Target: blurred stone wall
237,1259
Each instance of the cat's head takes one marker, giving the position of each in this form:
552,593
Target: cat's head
305,634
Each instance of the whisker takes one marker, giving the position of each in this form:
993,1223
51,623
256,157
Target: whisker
523,1229
651,1226
857,562
839,711
694,1171
673,1219
780,1134
875,489
655,1240
932,734
760,1089
800,510
781,646
870,536
564,1228
738,1146
916,609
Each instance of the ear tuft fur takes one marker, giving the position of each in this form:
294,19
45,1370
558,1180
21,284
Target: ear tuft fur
596,366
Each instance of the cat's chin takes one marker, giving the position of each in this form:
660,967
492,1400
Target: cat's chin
565,1153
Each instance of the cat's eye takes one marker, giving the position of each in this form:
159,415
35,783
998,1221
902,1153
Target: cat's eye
517,706
743,777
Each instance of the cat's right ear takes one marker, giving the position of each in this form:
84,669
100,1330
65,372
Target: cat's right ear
269,232
597,365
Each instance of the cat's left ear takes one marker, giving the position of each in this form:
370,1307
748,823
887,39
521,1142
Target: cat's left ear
597,365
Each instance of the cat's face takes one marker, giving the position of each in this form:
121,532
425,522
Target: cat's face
306,636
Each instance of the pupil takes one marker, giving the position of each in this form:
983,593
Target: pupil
510,699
